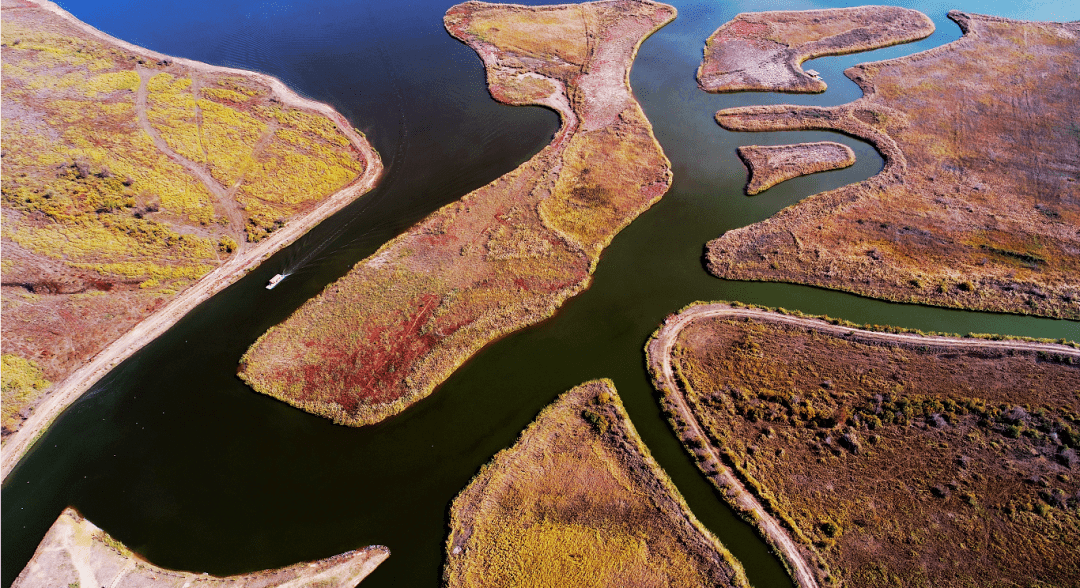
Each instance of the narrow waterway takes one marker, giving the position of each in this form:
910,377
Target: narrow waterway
177,458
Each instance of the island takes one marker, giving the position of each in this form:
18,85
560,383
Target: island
75,553
882,457
770,165
136,185
764,50
502,257
579,501
978,203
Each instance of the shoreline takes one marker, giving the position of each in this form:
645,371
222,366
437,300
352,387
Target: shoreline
71,388
658,357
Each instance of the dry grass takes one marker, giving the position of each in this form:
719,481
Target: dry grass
900,464
126,179
75,553
504,256
763,50
578,501
770,165
978,202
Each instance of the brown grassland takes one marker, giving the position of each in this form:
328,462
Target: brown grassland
978,204
504,256
891,459
128,177
579,501
763,50
77,553
771,164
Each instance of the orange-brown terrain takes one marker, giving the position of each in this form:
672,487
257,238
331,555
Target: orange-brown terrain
883,459
764,50
978,204
504,256
579,501
75,553
770,165
134,186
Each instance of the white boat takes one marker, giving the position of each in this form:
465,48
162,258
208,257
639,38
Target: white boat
274,281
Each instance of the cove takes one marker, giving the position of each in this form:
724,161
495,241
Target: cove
174,456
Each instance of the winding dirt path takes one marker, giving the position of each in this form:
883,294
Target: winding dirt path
660,365
72,387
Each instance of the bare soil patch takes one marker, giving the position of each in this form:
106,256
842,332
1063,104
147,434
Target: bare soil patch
887,459
504,256
771,164
764,50
978,203
77,553
578,501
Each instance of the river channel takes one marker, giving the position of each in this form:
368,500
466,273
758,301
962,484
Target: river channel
177,458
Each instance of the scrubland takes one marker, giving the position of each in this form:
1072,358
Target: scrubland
127,178
763,50
502,257
578,501
977,206
890,459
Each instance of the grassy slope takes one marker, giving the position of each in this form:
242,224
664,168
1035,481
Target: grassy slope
578,501
977,205
504,256
899,464
102,225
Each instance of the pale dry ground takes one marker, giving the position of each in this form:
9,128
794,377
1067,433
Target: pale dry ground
803,561
770,165
77,553
763,50
579,501
978,202
79,381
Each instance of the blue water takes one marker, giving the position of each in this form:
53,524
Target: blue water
174,456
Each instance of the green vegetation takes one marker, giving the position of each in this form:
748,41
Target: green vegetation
577,504
21,382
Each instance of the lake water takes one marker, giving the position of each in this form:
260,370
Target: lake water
177,458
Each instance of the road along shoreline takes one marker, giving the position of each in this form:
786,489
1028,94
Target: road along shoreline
799,559
71,388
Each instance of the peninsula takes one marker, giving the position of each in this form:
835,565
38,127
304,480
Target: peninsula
770,165
579,501
136,185
504,256
75,552
978,203
764,50
872,458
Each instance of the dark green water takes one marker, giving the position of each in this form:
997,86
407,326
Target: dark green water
174,456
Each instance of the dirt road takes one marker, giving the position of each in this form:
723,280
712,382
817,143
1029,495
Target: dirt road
660,365
71,388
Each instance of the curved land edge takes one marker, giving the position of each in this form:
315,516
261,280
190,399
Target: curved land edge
763,51
504,256
772,164
75,552
803,562
581,464
943,223
72,387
